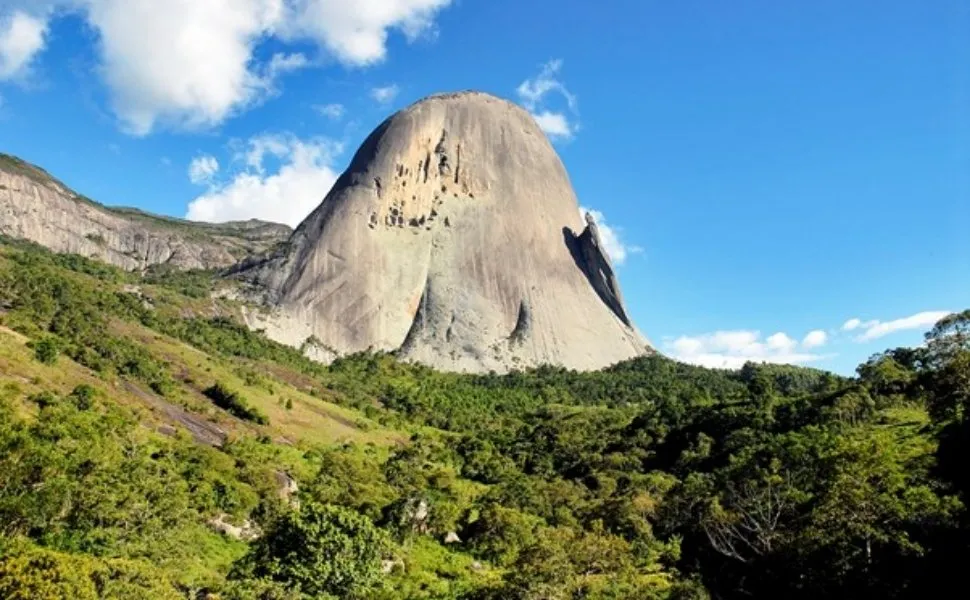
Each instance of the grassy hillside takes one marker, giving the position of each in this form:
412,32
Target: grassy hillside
149,446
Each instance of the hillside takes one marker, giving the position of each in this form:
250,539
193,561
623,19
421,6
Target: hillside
36,206
151,446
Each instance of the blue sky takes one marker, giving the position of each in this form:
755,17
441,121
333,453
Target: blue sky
769,170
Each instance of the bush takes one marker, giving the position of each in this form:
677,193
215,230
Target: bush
47,349
231,402
41,574
83,396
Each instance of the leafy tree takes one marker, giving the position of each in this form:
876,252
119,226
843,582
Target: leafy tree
324,551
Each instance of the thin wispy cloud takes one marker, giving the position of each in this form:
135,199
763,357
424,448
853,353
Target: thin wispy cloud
873,330
333,111
385,94
536,94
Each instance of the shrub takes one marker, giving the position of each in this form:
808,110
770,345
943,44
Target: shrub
83,396
47,349
231,402
41,574
44,399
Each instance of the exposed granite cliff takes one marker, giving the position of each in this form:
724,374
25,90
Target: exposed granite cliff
449,240
37,207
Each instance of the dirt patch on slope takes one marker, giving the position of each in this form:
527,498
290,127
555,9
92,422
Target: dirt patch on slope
202,431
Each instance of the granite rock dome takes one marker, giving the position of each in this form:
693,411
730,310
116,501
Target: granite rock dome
454,238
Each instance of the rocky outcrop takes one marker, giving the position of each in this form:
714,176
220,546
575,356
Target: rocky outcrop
37,207
449,240
247,531
592,258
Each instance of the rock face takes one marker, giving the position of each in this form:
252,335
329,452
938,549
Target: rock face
37,207
454,239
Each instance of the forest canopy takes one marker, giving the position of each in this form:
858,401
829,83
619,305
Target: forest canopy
650,479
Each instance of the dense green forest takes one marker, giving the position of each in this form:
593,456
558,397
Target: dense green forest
153,447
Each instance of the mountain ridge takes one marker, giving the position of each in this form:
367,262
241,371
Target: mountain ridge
36,206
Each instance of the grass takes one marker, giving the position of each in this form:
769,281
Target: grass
310,420
431,569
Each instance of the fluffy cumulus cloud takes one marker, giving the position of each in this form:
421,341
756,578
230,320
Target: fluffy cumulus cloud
202,169
385,94
780,342
355,31
815,339
872,330
536,94
731,349
281,178
21,38
613,243
193,63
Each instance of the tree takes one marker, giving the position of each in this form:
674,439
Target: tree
948,338
884,375
322,550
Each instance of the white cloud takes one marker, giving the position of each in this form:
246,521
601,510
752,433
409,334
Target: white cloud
614,245
922,320
534,94
815,339
731,349
183,62
851,324
331,111
283,63
355,31
202,169
555,125
533,91
781,342
193,63
22,37
285,194
386,94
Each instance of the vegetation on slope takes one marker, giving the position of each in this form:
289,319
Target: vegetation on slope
651,479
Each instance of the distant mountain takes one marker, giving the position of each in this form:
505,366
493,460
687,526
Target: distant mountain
36,206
